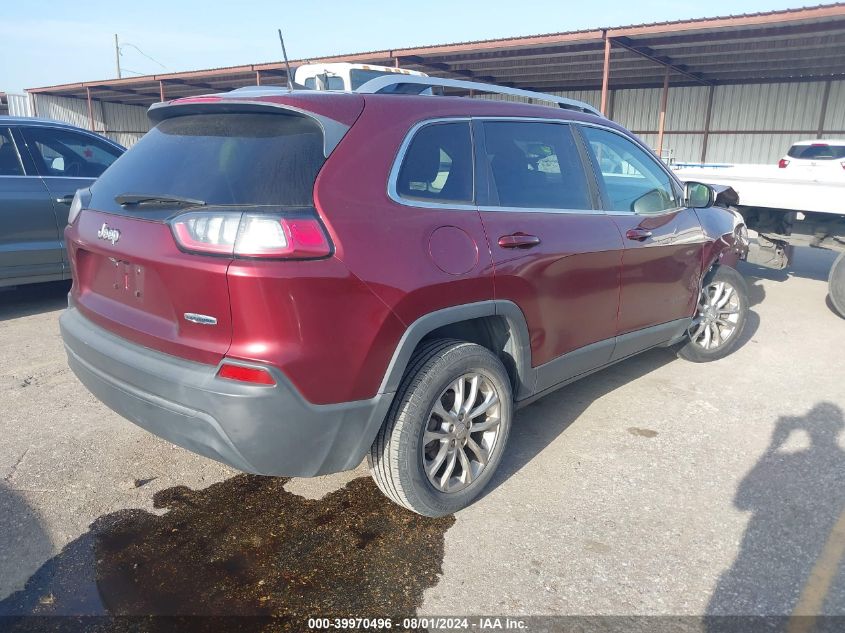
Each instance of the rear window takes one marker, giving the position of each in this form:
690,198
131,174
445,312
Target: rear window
817,151
249,159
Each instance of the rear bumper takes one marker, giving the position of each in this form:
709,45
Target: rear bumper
256,429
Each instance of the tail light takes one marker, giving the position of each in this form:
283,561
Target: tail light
782,163
81,200
254,375
269,235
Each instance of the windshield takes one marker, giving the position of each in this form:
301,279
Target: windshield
358,77
817,151
221,159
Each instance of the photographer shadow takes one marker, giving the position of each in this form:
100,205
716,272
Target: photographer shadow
790,562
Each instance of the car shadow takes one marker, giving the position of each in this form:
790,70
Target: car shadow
539,424
243,547
791,562
23,301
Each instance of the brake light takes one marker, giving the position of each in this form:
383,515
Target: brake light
782,163
249,234
239,373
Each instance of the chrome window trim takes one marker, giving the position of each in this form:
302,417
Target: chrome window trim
392,192
655,160
541,210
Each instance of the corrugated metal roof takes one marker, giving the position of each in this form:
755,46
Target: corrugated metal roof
784,45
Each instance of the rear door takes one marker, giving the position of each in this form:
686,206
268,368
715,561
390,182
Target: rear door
555,255
662,261
67,160
132,278
30,249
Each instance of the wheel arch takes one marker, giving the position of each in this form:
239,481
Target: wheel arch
498,325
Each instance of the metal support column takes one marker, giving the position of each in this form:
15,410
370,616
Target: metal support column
823,112
90,108
661,124
707,114
605,80
161,90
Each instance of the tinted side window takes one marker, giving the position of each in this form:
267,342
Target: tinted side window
633,181
10,162
535,165
438,165
66,153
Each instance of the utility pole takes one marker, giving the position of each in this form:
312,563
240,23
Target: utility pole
117,55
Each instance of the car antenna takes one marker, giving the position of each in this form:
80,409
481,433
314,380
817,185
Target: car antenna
287,63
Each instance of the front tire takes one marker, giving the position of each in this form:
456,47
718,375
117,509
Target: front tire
836,284
446,430
719,318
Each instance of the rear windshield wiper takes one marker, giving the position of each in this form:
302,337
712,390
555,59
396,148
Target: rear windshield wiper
148,199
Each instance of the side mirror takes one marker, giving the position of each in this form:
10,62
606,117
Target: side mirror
698,195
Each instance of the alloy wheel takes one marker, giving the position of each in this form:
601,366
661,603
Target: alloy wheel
461,432
717,316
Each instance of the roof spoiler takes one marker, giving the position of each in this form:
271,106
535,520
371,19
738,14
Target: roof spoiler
333,131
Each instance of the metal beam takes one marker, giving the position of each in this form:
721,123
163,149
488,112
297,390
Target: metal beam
823,112
707,116
663,60
605,81
90,108
443,67
661,119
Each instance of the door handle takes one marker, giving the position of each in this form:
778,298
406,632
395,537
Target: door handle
638,235
68,199
519,240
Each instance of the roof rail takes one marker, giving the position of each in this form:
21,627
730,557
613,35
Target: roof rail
410,84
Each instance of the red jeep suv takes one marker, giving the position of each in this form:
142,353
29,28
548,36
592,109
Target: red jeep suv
291,281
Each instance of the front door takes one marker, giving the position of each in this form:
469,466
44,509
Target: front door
663,240
555,255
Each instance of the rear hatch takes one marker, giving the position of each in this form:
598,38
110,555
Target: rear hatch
829,157
136,270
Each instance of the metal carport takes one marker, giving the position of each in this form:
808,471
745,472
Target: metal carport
735,88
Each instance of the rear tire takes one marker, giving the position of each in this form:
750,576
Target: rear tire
719,319
836,284
446,430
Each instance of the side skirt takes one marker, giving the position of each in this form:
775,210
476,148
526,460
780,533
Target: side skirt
597,356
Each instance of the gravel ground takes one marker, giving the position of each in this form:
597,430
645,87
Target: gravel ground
654,487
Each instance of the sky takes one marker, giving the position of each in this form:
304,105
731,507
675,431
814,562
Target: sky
50,42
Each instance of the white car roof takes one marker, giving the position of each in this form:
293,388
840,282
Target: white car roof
825,141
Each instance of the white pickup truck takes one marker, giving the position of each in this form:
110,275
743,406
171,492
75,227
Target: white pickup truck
801,200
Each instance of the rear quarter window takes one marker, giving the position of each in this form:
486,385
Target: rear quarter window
222,159
437,166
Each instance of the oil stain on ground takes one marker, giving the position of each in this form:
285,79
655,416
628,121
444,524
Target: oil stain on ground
245,546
